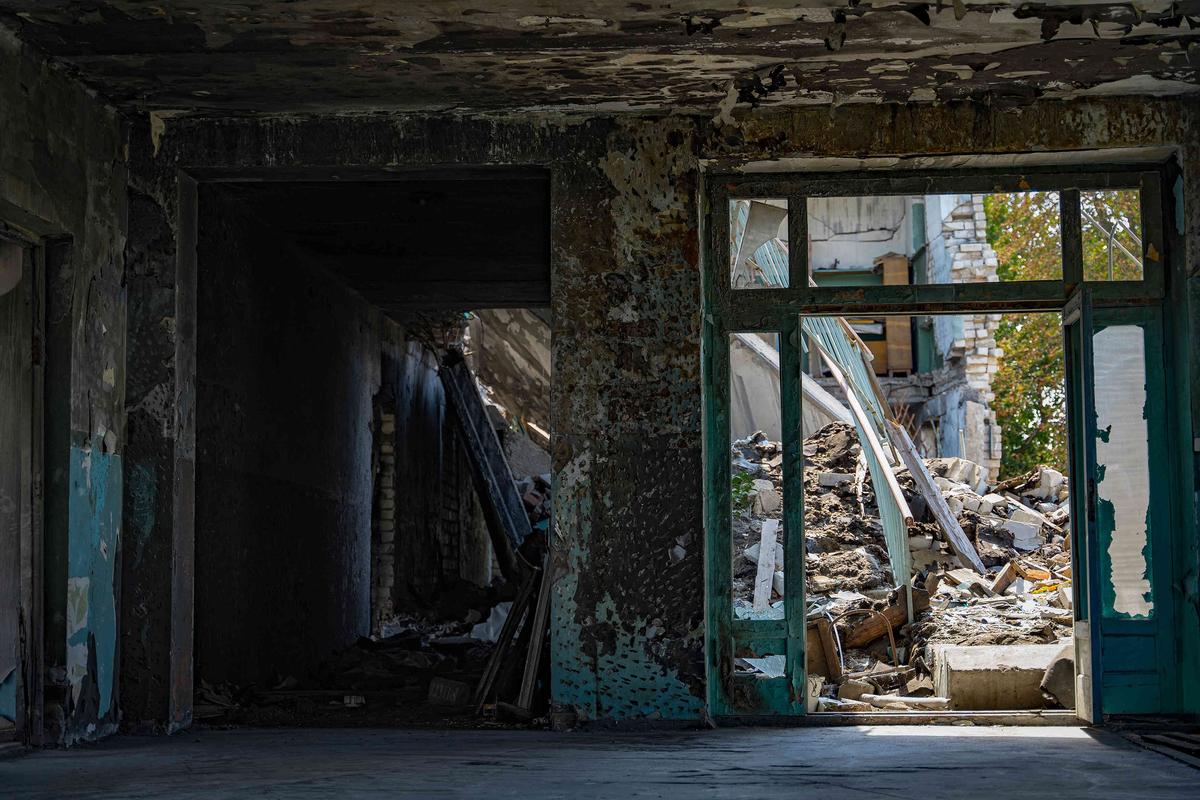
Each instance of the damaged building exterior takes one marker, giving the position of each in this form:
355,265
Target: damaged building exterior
939,368
237,242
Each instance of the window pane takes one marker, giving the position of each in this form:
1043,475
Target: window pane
1123,470
757,458
758,254
934,239
1112,235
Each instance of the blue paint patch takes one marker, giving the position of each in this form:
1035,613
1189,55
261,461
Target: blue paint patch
633,682
94,510
8,696
572,671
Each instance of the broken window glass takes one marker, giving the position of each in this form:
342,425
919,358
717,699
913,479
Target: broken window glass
758,256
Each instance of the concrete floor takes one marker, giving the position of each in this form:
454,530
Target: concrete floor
760,763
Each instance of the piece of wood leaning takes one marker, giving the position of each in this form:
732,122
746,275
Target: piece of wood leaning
955,535
537,636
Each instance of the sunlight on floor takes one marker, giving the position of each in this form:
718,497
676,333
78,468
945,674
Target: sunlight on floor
1007,732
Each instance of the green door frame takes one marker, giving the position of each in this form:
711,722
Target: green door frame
779,310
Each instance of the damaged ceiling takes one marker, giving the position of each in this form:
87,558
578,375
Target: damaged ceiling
297,55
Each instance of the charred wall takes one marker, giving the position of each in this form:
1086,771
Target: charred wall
628,596
288,362
62,186
291,364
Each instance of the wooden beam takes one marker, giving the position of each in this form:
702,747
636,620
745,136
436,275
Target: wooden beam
868,432
537,636
870,627
955,536
766,564
897,330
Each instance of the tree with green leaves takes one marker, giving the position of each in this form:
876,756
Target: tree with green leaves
1023,228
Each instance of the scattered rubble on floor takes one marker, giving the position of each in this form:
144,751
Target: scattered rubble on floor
860,641
476,654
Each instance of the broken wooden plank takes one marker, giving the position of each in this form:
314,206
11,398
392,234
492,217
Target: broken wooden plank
1031,573
766,564
537,636
882,700
866,629
504,641
955,535
833,664
1004,578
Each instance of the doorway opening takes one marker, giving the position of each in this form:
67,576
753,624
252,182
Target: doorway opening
991,627
911,440
373,490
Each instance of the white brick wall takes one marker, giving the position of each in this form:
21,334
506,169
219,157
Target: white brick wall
973,260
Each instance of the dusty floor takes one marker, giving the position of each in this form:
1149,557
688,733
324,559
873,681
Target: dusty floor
843,763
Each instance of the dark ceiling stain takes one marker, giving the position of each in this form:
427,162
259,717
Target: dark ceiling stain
276,55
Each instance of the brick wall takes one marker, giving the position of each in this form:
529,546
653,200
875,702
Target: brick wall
383,528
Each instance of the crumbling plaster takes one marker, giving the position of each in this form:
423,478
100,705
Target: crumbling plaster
625,409
609,54
62,179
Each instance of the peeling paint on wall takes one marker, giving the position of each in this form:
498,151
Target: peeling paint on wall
8,695
95,534
1123,456
637,670
572,668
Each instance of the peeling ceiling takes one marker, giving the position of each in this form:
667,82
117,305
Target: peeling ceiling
321,55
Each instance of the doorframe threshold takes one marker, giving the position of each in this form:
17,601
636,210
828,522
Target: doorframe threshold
1032,719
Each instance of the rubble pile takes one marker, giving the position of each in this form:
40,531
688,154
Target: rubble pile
1019,528
437,666
421,668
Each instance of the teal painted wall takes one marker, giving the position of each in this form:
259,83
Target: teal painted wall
95,534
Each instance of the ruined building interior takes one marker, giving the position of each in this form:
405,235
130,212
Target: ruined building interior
699,399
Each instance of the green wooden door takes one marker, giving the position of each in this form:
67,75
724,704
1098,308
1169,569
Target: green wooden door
1121,487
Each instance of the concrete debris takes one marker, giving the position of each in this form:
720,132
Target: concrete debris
967,624
1058,681
406,676
489,629
450,693
991,677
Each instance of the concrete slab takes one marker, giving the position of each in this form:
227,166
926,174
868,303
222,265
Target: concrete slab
929,762
991,677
